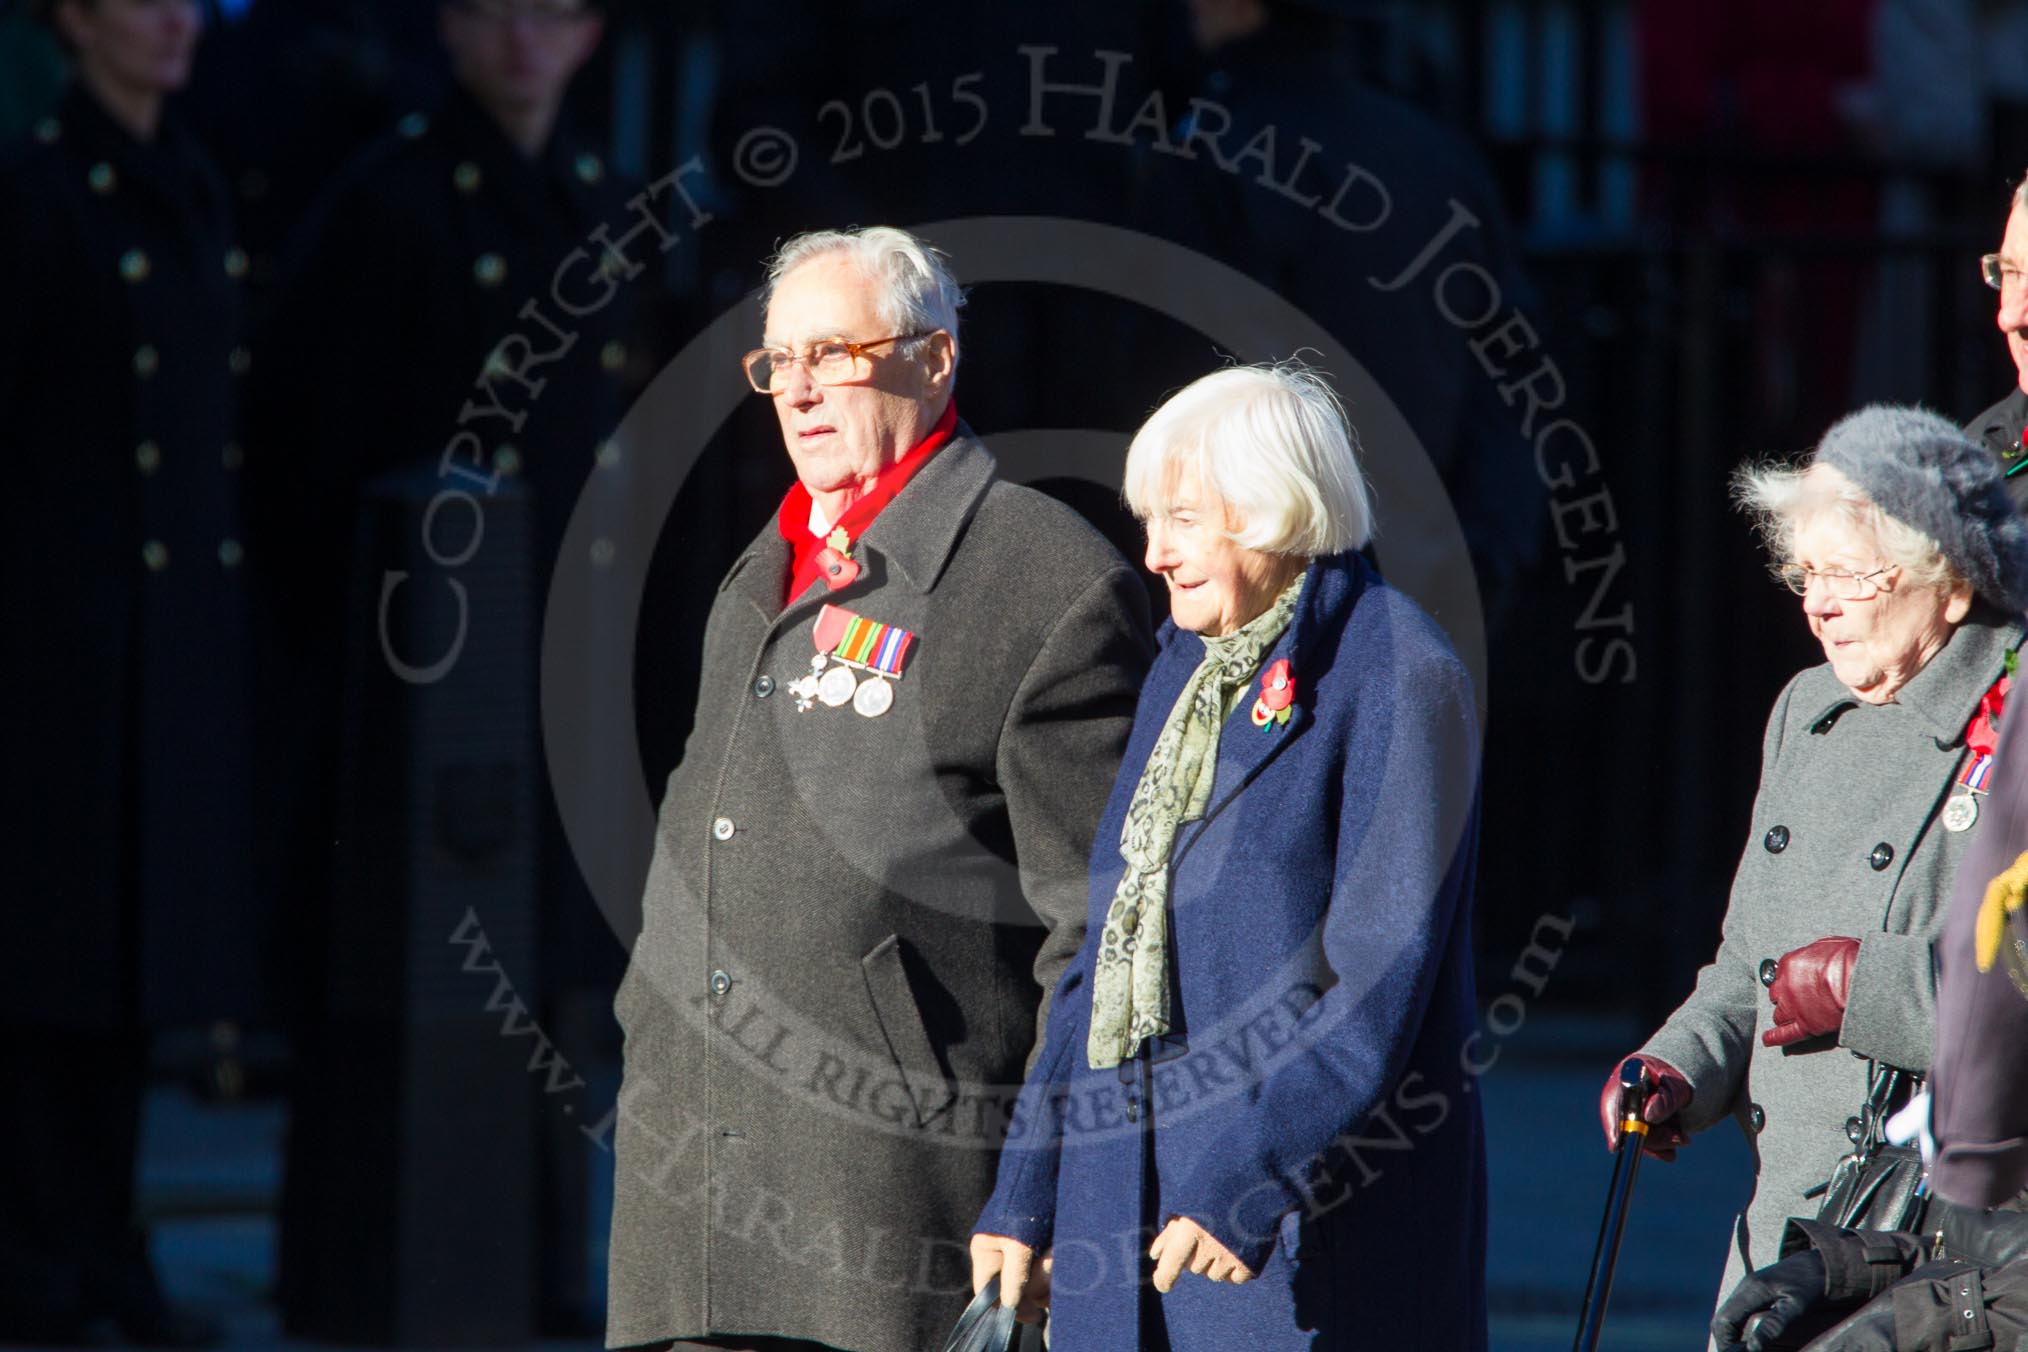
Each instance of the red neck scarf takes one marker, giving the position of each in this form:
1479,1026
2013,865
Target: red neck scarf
793,520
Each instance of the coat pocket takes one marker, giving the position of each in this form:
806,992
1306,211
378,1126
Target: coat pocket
908,1042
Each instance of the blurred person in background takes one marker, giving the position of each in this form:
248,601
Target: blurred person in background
401,306
2002,427
1913,571
126,697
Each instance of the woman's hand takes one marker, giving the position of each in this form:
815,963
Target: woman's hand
1184,1243
1022,1279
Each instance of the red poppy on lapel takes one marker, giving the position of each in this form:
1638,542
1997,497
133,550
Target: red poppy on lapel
1277,693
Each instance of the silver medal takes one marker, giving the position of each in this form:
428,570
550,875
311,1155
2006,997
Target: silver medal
1960,812
874,697
836,686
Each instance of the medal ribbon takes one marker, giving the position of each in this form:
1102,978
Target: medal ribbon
861,642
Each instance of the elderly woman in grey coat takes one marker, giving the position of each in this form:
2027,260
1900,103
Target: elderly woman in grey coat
1912,567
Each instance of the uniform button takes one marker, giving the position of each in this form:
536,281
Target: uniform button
155,554
102,178
466,177
147,457
1767,971
230,552
722,829
236,263
720,983
1882,856
239,361
134,265
1776,840
231,456
613,356
489,269
146,360
1758,1116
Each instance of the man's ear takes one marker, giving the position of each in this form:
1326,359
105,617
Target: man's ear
940,360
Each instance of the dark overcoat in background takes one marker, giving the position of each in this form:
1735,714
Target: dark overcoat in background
839,975
1847,839
1320,1122
2001,429
125,693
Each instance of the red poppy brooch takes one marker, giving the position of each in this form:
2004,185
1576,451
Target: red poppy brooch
1277,693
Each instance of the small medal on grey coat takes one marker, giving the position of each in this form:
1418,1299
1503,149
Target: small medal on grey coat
1960,812
874,697
836,687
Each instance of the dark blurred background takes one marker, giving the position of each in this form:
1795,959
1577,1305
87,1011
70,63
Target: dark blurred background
1698,233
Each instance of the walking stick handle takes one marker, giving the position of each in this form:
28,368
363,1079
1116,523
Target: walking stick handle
1634,1090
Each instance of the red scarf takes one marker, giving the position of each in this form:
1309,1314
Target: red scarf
793,520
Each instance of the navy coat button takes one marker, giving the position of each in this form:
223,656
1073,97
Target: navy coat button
1133,1109
1758,1116
1768,968
1882,856
720,983
1776,840
764,686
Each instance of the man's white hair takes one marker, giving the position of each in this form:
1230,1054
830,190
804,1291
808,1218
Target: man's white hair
1272,444
918,295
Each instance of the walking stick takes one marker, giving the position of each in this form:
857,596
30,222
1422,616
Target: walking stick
1626,1163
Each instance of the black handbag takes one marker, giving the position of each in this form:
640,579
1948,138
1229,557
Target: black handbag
988,1326
1878,1186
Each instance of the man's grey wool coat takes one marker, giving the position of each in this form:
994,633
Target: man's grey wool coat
1847,839
851,922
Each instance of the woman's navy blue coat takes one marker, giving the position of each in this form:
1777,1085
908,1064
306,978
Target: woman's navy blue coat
1321,1122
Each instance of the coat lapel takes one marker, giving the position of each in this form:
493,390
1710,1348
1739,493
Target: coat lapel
1329,591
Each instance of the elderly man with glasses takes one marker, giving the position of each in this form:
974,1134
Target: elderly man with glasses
2003,427
916,687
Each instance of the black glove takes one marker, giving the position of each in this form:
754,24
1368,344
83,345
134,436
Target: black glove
1767,1302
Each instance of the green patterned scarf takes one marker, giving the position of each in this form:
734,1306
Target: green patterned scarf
1130,983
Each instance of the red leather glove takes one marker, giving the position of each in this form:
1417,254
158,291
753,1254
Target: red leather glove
1668,1095
1809,990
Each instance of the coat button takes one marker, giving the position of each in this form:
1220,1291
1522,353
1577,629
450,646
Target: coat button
1758,1117
134,265
489,269
764,686
609,455
230,553
1855,1130
1133,1109
722,829
49,131
1768,968
720,983
236,263
1776,840
589,168
1882,856
146,360
507,460
147,457
102,178
155,555
466,177
613,357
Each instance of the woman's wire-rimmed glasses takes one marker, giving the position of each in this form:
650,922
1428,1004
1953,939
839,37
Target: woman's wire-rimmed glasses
1841,583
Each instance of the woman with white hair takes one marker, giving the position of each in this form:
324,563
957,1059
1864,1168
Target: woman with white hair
1912,567
1248,1123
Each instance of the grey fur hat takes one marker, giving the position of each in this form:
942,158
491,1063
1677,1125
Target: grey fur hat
1920,469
